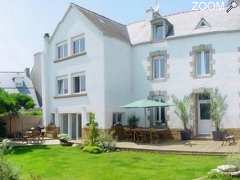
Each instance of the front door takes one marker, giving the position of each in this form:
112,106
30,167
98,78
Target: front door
204,121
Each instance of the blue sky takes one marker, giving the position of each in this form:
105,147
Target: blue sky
23,22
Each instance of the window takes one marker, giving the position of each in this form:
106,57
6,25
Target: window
79,83
78,45
158,32
62,86
159,114
62,50
202,23
159,67
117,118
202,63
52,120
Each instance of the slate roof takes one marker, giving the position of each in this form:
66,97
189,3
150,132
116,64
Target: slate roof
7,82
184,24
108,26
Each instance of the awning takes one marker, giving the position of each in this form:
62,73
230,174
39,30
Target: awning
146,103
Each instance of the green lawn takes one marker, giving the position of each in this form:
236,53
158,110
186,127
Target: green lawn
56,162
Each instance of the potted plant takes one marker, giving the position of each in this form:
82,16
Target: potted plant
133,121
183,112
217,110
64,140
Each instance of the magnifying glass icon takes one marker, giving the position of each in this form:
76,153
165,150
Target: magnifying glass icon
233,4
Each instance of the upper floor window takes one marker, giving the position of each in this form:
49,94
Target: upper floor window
158,32
62,50
159,67
62,86
202,63
78,45
79,83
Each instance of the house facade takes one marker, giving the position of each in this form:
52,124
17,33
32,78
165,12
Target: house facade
94,64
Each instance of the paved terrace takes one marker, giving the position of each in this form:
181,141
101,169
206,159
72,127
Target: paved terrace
183,147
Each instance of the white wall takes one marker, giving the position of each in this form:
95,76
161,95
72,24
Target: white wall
118,76
92,63
181,83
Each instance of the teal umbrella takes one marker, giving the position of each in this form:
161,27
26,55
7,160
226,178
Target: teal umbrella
146,103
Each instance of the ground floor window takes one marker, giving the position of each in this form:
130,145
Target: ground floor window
117,118
52,120
158,114
71,124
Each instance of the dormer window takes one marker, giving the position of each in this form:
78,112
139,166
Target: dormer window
202,23
159,32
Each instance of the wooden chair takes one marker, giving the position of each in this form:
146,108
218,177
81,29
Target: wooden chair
128,134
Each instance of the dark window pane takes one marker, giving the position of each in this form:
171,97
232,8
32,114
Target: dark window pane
76,84
205,111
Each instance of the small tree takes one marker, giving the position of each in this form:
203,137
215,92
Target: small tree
93,133
218,108
182,110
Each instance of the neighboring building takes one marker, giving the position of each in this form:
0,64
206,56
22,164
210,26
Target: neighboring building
18,82
94,64
36,75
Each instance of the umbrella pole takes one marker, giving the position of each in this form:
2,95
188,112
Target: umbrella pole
145,117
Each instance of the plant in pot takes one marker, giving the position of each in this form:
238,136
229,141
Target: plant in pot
218,108
133,121
183,112
64,140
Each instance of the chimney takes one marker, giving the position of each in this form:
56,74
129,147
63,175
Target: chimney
46,36
27,72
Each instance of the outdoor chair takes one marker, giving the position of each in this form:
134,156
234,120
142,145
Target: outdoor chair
153,136
229,139
141,136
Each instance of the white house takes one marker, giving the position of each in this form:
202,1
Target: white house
94,64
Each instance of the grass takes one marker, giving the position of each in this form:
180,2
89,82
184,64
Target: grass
64,163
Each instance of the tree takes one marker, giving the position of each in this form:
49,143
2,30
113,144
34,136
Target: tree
218,108
182,110
11,104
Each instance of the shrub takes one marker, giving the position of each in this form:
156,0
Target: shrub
107,142
6,146
93,149
7,171
63,137
133,121
93,134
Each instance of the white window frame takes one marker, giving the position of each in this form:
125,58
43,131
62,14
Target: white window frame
62,45
78,38
80,83
63,78
159,58
157,38
203,70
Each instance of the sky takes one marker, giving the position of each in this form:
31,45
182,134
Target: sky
24,22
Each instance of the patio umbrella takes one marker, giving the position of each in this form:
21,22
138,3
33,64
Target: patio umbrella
146,103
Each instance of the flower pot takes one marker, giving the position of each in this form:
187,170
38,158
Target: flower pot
186,134
217,135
